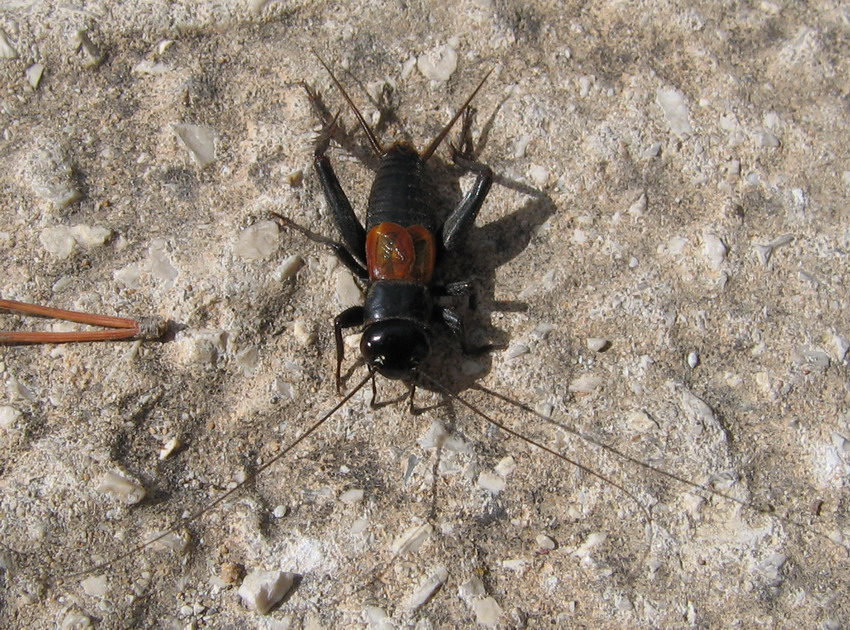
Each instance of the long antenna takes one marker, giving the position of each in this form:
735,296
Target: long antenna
427,153
543,447
249,479
373,140
658,471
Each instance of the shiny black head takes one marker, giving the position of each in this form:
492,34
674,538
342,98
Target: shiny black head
395,347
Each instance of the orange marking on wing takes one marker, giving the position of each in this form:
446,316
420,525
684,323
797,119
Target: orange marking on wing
394,252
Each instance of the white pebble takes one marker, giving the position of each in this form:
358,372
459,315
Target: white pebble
714,249
57,241
348,292
516,350
487,611
765,252
693,359
544,543
412,539
491,482
9,417
7,51
506,466
170,446
177,542
121,488
304,333
34,74
427,589
130,276
641,421
261,590
472,588
201,347
248,359
538,174
766,140
586,384
841,345
51,173
199,141
279,511
257,241
76,621
438,64
88,236
593,540
672,101
653,150
160,262
95,586
639,206
352,496
288,268
597,344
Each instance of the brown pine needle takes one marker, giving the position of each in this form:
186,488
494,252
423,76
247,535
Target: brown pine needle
123,327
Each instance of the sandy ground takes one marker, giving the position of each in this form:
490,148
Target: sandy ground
672,180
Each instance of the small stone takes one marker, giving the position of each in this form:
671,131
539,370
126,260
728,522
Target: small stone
258,241
639,206
672,101
9,417
491,482
288,268
177,542
538,174
7,51
439,64
765,252
304,333
280,511
261,590
487,611
89,237
123,489
160,262
693,359
427,589
506,466
348,292
91,52
544,543
95,586
58,241
76,621
412,539
586,384
714,249
34,74
295,178
199,141
593,540
597,344
170,446
130,276
352,496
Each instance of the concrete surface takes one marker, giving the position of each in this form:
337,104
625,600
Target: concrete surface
672,179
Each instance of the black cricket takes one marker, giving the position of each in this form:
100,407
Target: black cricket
397,251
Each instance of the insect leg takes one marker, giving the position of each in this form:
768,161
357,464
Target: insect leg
459,288
455,324
352,231
339,249
349,318
455,228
